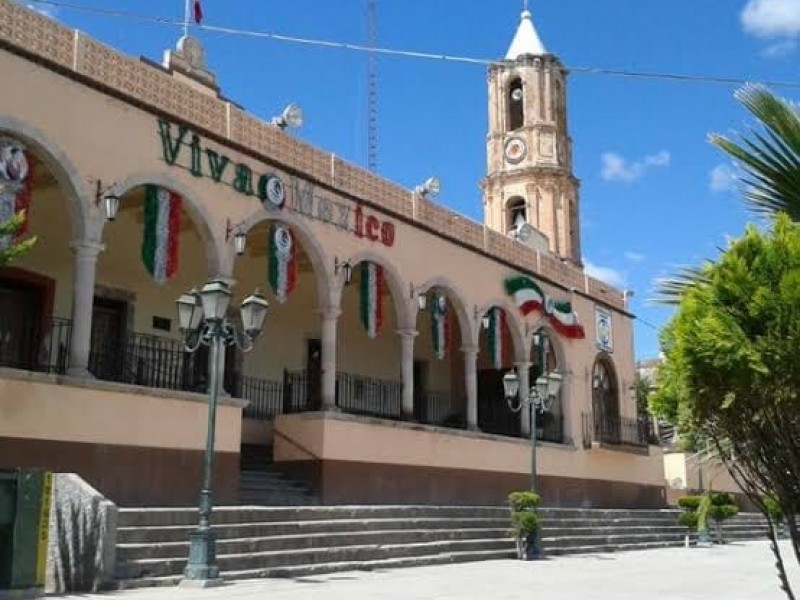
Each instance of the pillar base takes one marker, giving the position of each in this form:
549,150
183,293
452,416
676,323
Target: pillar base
80,373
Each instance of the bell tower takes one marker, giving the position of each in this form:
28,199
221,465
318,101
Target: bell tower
529,176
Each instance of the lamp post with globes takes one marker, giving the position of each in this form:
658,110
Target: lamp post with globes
202,318
538,397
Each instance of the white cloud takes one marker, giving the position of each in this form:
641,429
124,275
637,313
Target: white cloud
634,257
607,274
779,49
44,9
772,18
618,168
722,179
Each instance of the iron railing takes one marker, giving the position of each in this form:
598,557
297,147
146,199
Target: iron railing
41,346
369,396
440,408
615,431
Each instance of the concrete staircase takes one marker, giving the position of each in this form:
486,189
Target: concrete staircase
262,485
300,541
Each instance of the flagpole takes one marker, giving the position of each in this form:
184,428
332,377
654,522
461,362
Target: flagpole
186,17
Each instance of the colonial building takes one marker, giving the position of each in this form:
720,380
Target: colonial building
378,378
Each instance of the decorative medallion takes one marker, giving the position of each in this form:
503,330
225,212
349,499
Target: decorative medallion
515,150
602,319
275,192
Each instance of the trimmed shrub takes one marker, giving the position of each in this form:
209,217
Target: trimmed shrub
689,503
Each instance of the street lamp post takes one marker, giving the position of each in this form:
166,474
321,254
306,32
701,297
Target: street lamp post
202,323
538,397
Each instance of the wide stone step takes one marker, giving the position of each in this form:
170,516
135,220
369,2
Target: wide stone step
608,548
616,540
234,514
287,558
126,552
323,568
178,533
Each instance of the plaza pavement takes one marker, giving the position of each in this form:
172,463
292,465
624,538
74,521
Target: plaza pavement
739,571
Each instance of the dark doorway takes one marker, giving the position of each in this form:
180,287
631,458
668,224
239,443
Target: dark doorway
494,415
109,329
314,374
21,320
421,391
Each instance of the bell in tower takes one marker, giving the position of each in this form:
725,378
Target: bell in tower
529,152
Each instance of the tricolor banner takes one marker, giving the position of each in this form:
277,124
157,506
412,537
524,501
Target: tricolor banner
528,296
371,298
162,222
440,325
282,262
497,322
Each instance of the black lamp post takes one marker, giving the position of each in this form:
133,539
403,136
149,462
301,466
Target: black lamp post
202,322
538,397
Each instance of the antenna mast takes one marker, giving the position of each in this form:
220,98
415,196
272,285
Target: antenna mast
372,85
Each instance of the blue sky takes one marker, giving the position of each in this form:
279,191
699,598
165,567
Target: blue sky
654,193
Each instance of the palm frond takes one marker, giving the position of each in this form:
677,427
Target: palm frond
770,158
670,291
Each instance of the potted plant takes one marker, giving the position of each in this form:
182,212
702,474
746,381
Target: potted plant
526,523
722,507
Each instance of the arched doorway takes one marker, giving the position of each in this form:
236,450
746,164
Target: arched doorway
605,400
546,358
496,356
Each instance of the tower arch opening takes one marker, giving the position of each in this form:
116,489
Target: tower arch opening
516,104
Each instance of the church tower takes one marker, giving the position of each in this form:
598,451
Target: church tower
529,152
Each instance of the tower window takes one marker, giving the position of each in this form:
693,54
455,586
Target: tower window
516,214
516,105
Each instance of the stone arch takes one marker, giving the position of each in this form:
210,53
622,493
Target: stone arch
67,175
562,409
516,326
556,344
196,210
315,251
393,280
469,332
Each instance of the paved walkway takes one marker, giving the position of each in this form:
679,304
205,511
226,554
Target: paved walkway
741,571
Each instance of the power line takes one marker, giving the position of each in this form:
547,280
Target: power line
674,77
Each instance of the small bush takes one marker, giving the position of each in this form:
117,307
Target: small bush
690,503
774,510
722,499
521,501
525,523
720,513
688,520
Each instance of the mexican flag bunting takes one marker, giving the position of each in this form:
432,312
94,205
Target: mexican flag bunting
197,10
565,321
440,325
528,296
497,321
162,221
372,283
282,262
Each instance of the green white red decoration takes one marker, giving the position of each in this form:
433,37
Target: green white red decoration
162,222
528,297
497,322
440,325
282,262
16,181
372,282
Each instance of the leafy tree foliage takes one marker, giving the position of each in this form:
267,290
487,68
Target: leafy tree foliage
730,374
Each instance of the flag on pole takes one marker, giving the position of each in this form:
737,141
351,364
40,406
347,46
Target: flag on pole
198,12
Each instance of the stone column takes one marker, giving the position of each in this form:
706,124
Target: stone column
471,384
407,337
330,318
523,372
86,253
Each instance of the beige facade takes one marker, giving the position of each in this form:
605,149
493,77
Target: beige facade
83,306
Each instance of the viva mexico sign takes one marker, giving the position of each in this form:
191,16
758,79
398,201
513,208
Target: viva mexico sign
181,147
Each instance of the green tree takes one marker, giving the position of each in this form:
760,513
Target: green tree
12,250
730,372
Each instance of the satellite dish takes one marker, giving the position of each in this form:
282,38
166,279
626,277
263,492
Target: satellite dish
524,233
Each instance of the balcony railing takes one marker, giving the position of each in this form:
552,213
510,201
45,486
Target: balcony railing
440,408
369,396
42,346
615,431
